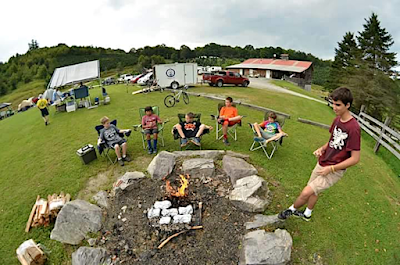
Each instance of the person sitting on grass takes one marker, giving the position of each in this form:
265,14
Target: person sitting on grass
228,116
190,129
269,130
110,135
150,127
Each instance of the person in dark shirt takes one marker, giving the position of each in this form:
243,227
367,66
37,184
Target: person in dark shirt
339,153
110,135
190,129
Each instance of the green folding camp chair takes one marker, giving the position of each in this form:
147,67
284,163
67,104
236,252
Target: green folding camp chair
142,112
232,130
261,143
181,118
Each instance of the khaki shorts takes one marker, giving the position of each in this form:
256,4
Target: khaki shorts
320,183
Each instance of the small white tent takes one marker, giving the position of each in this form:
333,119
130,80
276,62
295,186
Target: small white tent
72,74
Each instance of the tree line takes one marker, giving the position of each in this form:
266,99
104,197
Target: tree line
39,63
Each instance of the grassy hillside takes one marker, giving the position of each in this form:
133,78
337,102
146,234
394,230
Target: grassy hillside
355,222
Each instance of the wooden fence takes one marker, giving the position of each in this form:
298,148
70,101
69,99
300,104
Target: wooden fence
381,132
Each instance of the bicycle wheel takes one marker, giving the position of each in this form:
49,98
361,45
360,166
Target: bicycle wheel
185,97
169,101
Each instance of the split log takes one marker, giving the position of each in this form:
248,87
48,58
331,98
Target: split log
177,234
28,224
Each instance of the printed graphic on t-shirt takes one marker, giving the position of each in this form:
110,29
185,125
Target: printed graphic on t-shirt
338,139
110,134
271,128
190,126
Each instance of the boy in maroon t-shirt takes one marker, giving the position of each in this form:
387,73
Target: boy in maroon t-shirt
339,153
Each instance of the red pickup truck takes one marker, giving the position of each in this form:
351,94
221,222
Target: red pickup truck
225,77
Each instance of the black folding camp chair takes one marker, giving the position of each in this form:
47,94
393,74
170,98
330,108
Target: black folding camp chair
181,118
104,148
261,143
232,130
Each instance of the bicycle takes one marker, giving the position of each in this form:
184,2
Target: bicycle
170,100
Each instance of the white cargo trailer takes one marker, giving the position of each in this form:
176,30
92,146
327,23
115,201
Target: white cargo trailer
175,75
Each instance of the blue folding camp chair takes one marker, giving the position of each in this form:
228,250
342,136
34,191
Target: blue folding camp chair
105,148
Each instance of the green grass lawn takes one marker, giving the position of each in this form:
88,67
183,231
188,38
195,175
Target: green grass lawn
24,91
355,222
316,91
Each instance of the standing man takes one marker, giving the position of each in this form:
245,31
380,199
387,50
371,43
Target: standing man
42,105
339,153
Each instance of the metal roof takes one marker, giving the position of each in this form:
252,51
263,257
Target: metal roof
273,64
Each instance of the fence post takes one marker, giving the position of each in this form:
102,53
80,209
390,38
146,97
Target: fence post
378,143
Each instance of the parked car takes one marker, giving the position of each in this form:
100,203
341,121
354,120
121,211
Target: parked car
225,77
125,78
108,81
145,79
136,78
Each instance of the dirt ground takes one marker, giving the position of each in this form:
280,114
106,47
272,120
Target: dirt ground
135,241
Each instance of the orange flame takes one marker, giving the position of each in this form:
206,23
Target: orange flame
182,190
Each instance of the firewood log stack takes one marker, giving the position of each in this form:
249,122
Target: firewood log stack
29,253
44,211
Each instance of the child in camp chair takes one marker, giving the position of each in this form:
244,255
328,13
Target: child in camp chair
110,135
190,129
269,130
150,127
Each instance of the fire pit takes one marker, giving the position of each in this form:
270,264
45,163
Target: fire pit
187,220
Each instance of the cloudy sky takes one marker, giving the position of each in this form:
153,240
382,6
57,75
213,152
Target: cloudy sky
313,26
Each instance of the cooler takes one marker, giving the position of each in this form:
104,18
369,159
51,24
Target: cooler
87,154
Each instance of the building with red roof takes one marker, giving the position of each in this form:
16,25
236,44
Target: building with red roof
298,72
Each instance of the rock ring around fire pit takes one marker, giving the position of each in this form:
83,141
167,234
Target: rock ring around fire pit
187,219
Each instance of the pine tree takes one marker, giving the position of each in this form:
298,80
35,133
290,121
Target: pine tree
347,56
375,42
33,45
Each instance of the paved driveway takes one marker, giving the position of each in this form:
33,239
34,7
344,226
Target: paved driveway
262,83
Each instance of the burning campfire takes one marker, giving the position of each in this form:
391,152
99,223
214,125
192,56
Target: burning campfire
182,191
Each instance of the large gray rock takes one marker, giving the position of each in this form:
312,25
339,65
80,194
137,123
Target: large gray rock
127,179
266,248
237,168
90,256
250,194
101,199
212,154
75,220
261,220
199,167
235,154
161,165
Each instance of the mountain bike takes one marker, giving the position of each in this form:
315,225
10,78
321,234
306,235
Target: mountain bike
170,100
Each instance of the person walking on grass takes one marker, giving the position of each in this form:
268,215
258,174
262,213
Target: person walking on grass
339,153
150,126
42,105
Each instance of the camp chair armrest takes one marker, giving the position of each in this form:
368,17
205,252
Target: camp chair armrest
163,124
136,127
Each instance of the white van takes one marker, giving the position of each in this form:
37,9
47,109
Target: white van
175,75
146,78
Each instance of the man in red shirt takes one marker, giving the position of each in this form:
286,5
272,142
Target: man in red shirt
339,153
